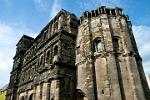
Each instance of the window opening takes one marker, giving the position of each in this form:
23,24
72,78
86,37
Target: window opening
78,50
115,44
31,97
48,56
55,50
98,46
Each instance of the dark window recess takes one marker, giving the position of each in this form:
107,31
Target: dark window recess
78,50
31,97
115,44
48,56
73,24
55,50
102,91
131,53
73,19
98,46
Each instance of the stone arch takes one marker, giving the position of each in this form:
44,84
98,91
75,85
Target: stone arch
55,50
47,55
41,60
81,95
31,97
55,54
52,97
22,98
116,43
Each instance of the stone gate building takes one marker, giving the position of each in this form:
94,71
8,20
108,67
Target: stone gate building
93,58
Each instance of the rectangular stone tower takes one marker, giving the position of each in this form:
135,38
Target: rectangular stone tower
108,63
44,67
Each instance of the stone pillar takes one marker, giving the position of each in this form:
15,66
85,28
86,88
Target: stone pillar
113,76
46,91
37,92
55,90
138,93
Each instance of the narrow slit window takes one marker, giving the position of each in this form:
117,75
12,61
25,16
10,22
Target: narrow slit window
48,56
102,91
78,50
31,97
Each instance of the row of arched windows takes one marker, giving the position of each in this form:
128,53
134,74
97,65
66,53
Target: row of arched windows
98,45
49,56
31,97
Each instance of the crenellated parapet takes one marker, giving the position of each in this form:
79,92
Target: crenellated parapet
100,11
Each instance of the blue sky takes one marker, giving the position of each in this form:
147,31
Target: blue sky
18,17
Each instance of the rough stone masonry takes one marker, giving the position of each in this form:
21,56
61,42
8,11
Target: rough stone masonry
94,57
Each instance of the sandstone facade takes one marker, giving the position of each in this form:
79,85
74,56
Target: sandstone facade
93,58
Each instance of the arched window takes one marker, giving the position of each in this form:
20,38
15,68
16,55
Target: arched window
48,56
81,95
41,60
98,45
31,97
52,98
116,44
55,26
55,50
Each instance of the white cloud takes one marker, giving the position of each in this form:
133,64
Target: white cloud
5,61
5,40
41,5
147,67
55,8
9,36
142,36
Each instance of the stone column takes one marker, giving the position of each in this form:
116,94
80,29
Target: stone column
46,91
37,92
113,77
55,90
138,92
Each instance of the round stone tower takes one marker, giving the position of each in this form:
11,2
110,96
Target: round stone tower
108,63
